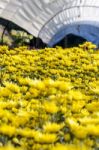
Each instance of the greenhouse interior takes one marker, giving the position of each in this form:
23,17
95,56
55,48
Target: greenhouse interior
49,74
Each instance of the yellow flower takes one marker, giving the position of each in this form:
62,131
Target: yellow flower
10,147
40,85
7,130
88,45
25,81
94,106
95,90
34,92
76,95
11,68
52,127
89,120
4,92
50,107
45,138
65,86
26,132
78,130
12,87
93,129
78,105
69,147
23,89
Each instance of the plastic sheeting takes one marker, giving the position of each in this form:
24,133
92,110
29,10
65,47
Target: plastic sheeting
51,20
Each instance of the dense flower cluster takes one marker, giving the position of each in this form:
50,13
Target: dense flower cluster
49,98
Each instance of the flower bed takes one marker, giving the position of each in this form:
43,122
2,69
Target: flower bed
49,98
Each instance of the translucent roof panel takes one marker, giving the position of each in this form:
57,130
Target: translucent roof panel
51,20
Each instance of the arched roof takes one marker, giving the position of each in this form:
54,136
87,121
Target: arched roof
51,20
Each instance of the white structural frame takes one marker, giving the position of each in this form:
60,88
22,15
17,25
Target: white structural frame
51,20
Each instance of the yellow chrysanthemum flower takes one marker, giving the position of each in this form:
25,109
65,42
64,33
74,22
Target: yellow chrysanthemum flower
12,87
45,138
7,130
4,92
50,107
52,127
76,94
69,147
10,147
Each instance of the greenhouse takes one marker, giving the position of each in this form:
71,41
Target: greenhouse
49,75
52,20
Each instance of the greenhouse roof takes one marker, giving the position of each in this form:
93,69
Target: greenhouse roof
51,20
